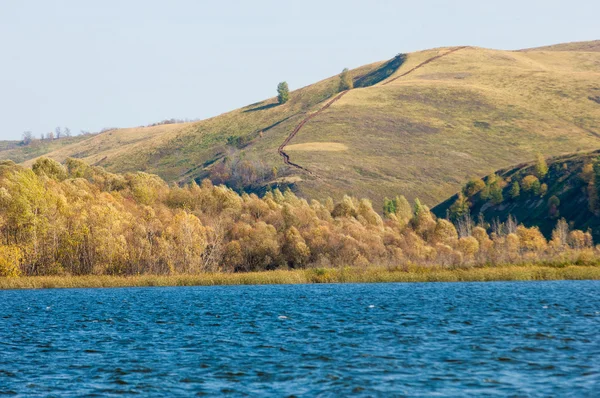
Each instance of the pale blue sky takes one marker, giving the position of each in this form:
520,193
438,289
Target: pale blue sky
94,64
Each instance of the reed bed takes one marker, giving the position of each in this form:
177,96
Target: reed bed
314,275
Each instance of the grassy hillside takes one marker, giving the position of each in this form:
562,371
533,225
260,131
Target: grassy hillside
574,46
570,187
421,134
17,152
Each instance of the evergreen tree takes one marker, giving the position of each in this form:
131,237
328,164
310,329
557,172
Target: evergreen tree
283,92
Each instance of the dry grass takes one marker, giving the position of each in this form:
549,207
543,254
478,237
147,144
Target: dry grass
318,147
345,275
423,135
573,46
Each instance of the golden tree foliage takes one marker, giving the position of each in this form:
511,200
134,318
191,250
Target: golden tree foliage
78,219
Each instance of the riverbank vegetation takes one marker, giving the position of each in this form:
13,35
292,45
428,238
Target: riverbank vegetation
537,193
314,275
76,219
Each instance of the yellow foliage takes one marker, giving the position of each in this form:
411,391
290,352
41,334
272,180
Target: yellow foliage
10,260
531,239
468,246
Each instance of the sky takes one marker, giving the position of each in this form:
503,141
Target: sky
89,65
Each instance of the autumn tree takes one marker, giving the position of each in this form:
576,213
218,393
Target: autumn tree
560,235
553,204
531,184
541,167
403,209
493,189
473,186
459,208
78,219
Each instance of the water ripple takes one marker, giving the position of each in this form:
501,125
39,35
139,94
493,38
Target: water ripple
517,339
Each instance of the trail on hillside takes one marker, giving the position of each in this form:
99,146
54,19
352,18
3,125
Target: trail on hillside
425,63
286,157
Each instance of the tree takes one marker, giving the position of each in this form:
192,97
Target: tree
283,92
403,209
50,135
553,204
346,82
473,186
10,260
496,193
531,184
560,234
541,167
58,133
493,189
459,208
596,178
67,132
389,207
50,168
515,190
27,137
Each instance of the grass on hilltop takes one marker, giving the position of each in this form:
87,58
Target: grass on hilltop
423,135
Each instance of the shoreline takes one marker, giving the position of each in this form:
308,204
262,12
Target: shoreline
315,275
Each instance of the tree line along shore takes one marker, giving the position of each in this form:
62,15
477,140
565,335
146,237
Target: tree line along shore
76,222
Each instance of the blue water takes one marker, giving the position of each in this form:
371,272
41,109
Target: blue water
521,339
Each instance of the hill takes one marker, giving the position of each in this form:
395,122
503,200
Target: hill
569,190
419,124
581,46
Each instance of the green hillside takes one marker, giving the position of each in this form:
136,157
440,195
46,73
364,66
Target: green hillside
419,124
569,190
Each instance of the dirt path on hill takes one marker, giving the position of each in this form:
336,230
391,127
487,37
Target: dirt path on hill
286,157
455,49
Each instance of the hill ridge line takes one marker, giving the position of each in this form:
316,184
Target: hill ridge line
425,63
286,157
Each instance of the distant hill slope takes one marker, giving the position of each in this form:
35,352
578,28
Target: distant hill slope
419,125
582,46
570,186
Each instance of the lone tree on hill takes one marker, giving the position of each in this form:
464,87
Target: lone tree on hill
346,82
283,92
